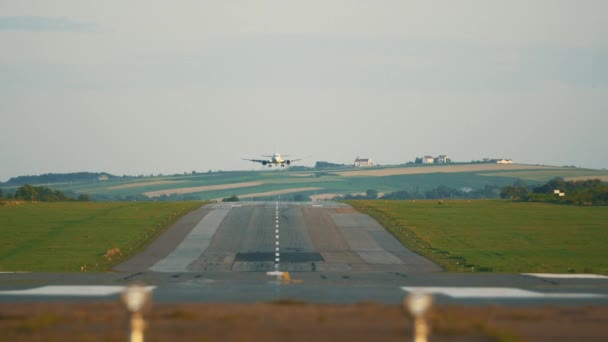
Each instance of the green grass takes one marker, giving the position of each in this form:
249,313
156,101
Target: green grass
62,237
499,236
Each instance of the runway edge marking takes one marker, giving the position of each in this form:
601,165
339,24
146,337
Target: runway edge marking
71,291
496,292
565,275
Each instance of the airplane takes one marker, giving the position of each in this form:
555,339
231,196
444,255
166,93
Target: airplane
275,159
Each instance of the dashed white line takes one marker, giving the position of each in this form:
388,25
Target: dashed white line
277,253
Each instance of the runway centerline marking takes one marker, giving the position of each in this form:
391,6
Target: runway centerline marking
278,253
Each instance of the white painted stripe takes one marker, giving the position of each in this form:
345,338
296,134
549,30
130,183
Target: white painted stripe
277,254
276,231
566,275
76,291
495,292
277,243
277,236
317,205
193,245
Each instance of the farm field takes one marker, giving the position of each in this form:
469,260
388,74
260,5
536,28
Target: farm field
65,236
261,184
499,236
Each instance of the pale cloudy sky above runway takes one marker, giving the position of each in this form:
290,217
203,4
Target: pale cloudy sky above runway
148,87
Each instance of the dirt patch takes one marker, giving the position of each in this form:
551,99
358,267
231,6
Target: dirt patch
278,192
140,184
292,320
346,211
181,191
323,197
438,169
300,174
582,178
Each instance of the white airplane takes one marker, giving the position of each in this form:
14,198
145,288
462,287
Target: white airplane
275,159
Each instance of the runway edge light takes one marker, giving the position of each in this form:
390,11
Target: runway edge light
418,304
136,297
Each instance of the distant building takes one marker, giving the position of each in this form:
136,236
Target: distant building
103,178
504,161
428,160
363,162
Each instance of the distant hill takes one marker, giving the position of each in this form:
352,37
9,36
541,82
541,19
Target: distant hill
49,178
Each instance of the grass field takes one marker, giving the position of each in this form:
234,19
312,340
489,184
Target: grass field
60,237
499,236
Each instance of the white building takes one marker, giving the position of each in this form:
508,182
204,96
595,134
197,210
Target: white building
504,161
428,160
363,162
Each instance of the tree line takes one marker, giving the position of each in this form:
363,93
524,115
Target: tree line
57,178
41,194
439,192
584,192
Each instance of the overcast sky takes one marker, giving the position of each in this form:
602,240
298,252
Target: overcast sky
149,87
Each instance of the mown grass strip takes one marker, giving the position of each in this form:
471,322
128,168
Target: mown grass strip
499,236
76,236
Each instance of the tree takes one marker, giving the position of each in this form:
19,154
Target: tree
26,193
371,194
301,198
83,198
232,198
514,192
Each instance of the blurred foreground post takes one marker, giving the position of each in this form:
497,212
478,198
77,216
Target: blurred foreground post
418,304
135,297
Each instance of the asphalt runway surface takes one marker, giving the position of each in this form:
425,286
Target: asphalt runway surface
322,252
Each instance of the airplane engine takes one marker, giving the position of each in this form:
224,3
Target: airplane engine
288,162
264,163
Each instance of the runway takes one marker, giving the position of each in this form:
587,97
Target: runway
327,253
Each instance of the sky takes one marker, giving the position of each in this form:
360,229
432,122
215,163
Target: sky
164,87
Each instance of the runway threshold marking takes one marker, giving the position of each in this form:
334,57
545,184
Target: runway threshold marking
496,292
70,290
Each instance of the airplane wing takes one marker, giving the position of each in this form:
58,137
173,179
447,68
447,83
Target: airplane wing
289,161
261,161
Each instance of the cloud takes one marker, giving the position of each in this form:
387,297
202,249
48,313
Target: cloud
31,23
